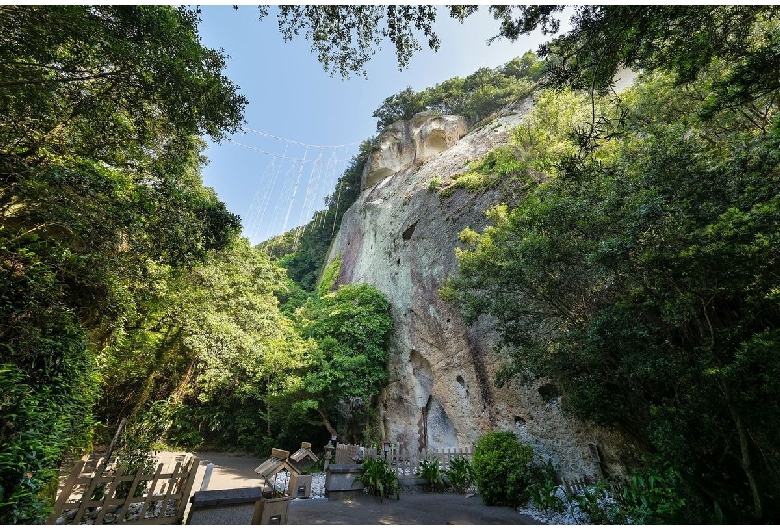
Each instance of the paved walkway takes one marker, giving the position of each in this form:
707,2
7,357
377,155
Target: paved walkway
424,508
237,471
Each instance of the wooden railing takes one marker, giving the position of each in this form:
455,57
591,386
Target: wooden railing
108,496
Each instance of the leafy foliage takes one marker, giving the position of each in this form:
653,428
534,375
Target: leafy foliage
544,491
431,471
476,96
646,497
685,40
643,276
101,108
40,420
213,359
503,468
346,37
460,473
349,367
378,478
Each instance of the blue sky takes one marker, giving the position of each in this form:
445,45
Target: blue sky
276,184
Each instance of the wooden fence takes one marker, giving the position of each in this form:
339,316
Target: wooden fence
575,486
108,496
406,463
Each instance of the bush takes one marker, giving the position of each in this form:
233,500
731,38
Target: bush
503,469
379,479
431,470
651,497
460,474
543,490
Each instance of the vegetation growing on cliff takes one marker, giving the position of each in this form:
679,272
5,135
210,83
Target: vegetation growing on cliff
642,276
635,261
475,97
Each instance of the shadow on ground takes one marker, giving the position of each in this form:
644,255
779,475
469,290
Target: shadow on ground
237,471
424,508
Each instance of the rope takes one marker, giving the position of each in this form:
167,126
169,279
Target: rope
262,220
295,190
268,135
268,192
256,211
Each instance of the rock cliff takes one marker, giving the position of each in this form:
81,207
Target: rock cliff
400,237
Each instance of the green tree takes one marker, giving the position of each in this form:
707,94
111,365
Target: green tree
349,368
215,355
400,106
100,112
344,38
474,97
644,277
683,40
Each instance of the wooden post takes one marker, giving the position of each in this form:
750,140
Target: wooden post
271,511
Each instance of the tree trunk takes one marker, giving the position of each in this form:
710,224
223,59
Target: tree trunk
744,446
326,423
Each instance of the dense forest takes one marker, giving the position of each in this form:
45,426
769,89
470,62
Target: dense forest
634,259
126,289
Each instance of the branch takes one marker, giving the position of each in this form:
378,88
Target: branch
25,82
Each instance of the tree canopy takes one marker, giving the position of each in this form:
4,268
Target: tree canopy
101,108
475,97
351,326
639,269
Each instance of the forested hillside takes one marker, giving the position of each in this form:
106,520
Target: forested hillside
638,264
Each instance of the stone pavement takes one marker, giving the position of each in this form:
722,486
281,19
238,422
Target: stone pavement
234,470
425,508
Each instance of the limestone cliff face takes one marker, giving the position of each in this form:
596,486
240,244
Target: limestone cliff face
400,238
405,143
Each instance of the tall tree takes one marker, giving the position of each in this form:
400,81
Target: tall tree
100,112
642,278
351,326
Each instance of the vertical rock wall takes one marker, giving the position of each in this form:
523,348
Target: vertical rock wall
400,238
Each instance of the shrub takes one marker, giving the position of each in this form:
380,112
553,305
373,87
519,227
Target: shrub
650,497
460,474
430,470
543,490
545,496
647,497
503,469
379,479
